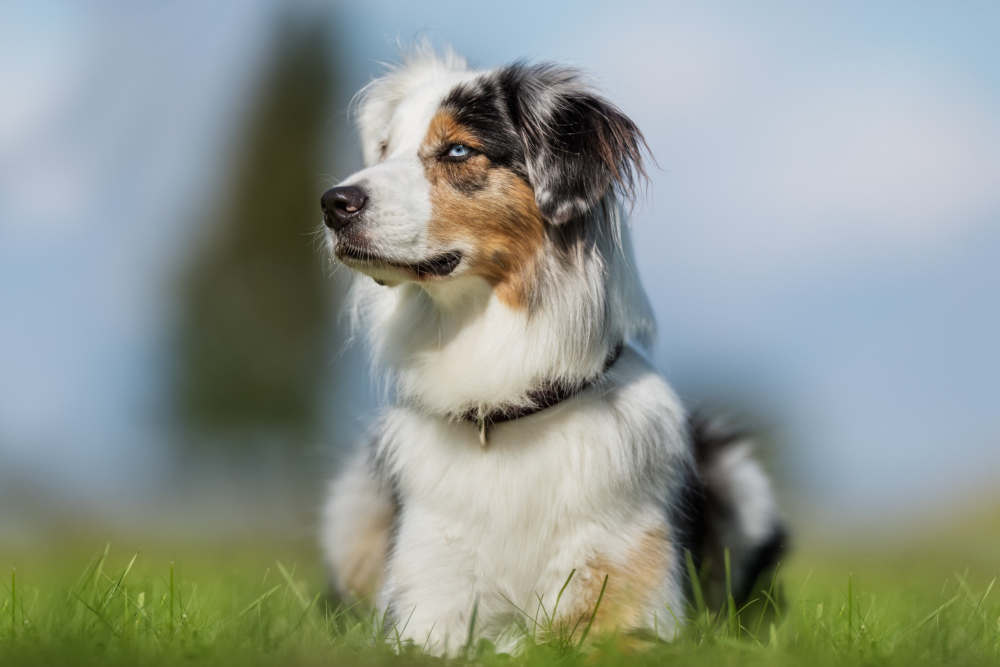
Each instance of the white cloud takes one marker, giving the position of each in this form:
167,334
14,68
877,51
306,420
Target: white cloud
42,57
39,60
865,156
791,157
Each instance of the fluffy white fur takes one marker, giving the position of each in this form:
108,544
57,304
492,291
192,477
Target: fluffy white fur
552,492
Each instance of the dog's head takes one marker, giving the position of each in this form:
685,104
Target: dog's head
473,173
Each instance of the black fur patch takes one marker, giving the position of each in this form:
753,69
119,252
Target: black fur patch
708,441
481,107
688,522
541,121
578,145
763,560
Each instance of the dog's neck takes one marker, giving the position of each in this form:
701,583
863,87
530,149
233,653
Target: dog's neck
456,347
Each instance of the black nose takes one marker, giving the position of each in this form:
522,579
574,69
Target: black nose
341,205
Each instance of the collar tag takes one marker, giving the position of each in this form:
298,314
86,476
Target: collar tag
482,429
482,434
541,398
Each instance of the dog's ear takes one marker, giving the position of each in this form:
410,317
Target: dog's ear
577,145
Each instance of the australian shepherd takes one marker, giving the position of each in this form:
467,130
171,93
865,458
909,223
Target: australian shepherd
532,464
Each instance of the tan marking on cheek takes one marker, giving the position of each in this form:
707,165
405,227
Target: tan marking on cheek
488,208
630,584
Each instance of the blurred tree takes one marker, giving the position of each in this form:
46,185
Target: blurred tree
255,304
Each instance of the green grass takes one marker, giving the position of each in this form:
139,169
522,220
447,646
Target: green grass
230,605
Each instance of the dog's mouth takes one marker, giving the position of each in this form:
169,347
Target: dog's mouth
436,266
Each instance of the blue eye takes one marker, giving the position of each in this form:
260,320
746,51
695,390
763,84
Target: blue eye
458,151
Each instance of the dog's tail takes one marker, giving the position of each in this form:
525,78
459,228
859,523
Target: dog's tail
738,514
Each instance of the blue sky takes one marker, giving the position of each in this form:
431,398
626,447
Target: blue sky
820,238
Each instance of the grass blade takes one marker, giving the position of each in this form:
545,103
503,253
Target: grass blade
600,596
937,612
470,635
260,599
13,604
989,589
555,609
171,628
850,609
303,600
732,617
113,590
699,597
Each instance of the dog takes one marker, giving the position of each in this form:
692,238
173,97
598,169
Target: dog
532,464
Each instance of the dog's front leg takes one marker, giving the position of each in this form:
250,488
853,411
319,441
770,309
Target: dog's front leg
430,589
357,523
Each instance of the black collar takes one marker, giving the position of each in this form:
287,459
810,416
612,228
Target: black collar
541,398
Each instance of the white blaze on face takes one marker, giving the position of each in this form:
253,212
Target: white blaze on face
393,119
398,209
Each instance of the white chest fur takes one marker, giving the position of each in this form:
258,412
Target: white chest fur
504,526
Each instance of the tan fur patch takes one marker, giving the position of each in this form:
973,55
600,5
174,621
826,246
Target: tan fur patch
486,206
361,575
629,586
